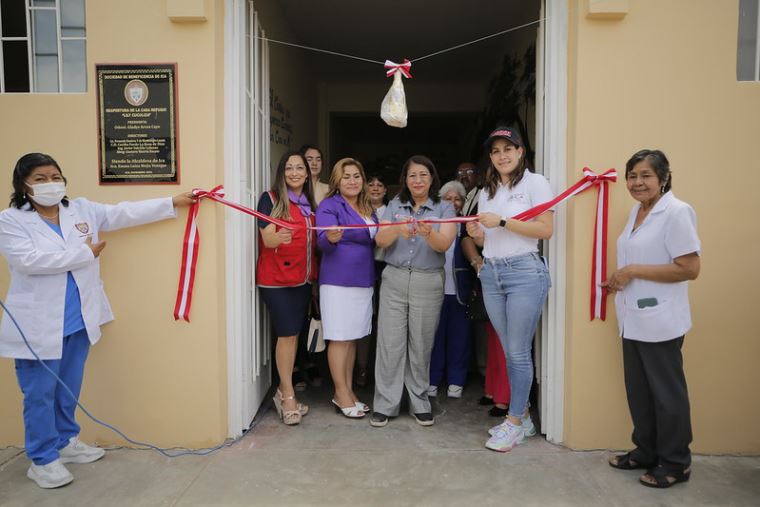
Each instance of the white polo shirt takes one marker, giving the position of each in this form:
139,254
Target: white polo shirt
532,190
669,231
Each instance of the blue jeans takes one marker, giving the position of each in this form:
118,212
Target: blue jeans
514,292
49,420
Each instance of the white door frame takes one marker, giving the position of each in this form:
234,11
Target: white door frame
552,141
552,118
246,163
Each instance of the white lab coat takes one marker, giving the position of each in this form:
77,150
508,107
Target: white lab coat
39,259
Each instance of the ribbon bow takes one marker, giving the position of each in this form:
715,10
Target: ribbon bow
599,259
400,67
217,191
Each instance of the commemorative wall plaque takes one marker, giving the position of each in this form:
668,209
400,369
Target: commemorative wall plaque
137,123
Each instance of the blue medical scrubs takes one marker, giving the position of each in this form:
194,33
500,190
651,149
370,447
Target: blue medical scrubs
49,420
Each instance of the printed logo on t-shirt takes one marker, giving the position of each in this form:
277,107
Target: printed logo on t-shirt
519,196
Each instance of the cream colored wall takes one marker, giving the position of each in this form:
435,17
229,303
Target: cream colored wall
156,379
664,77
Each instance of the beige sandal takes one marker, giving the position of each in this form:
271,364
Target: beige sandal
303,409
289,417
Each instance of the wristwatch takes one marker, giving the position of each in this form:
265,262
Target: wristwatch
503,222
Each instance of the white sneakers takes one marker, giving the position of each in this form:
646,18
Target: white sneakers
52,475
527,423
506,437
454,391
79,452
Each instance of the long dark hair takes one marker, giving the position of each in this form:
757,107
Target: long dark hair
281,208
21,172
493,178
657,161
404,194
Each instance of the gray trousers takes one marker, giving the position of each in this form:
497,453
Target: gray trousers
410,305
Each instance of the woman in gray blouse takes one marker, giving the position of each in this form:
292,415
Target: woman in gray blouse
411,292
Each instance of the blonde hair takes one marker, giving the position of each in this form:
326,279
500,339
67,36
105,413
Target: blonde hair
362,200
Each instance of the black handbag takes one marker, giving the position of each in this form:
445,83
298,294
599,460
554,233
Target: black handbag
476,307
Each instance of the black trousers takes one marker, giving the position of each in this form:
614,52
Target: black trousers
659,403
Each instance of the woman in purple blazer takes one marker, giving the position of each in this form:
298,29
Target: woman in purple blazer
347,277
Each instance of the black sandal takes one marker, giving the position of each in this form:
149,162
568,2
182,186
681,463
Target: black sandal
498,411
624,462
664,478
485,400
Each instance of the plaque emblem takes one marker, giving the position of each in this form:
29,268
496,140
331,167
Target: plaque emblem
136,92
83,227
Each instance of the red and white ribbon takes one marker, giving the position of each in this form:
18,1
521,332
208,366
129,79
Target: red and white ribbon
590,179
393,67
599,258
190,256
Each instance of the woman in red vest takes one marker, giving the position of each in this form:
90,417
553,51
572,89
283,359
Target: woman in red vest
286,269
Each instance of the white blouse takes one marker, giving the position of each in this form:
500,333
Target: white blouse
656,311
532,190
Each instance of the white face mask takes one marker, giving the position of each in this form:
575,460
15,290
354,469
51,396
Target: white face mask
48,194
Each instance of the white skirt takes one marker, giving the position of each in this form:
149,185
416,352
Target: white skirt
346,312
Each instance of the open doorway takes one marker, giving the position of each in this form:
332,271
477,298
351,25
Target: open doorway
453,99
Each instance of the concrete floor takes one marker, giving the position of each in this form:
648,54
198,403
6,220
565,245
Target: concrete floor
331,460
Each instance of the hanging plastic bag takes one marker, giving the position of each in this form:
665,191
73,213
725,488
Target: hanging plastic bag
393,109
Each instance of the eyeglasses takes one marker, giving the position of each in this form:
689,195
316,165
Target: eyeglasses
467,172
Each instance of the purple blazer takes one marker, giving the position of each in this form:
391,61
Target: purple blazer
350,262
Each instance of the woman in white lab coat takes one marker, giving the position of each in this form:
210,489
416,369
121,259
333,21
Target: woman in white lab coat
52,247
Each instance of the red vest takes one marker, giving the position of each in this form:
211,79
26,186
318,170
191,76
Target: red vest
292,264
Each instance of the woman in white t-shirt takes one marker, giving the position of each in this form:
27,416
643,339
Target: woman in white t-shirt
514,277
658,252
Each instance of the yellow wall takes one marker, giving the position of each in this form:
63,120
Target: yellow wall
156,379
664,76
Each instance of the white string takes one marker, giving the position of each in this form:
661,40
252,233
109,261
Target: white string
320,50
478,40
309,48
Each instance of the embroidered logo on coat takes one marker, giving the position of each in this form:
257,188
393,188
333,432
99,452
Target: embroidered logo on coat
83,227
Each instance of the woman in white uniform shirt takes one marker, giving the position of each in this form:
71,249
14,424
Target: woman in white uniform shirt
658,252
514,277
52,246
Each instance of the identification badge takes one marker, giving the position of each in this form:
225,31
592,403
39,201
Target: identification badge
646,302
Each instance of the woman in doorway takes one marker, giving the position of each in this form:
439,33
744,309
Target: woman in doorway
378,199
451,350
378,194
286,269
306,362
347,275
313,156
658,253
411,293
52,247
514,277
